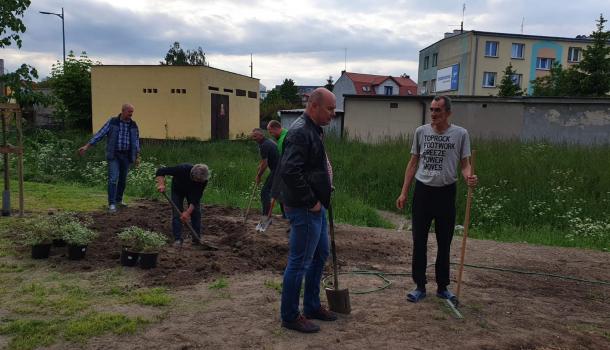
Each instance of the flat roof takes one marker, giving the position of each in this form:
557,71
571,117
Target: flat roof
165,66
510,35
470,98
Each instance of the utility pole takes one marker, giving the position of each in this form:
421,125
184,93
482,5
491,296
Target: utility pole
251,67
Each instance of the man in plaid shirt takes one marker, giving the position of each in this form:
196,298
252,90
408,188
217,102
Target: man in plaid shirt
122,149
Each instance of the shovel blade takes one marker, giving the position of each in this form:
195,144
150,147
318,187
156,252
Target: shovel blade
338,300
263,225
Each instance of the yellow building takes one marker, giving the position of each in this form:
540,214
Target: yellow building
177,102
473,62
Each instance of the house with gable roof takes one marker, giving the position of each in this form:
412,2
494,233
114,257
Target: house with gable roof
370,84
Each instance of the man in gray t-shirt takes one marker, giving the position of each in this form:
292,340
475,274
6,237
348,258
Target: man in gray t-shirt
438,149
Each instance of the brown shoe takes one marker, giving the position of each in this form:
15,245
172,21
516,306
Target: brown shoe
322,314
301,324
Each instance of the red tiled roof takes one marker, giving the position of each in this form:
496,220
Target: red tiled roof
360,80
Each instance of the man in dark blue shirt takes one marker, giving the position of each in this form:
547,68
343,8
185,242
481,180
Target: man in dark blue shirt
122,149
269,159
188,182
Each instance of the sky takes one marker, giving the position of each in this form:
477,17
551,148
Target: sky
304,40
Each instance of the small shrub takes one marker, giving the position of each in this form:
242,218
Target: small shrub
36,231
130,238
76,233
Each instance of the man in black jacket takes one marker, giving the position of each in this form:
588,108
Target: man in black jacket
188,181
305,190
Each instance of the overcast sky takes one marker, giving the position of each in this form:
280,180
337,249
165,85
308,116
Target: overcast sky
305,40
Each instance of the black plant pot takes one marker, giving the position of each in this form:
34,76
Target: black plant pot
59,243
148,260
129,258
76,252
41,251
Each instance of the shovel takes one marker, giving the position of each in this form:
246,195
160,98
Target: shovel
338,299
250,203
188,224
266,221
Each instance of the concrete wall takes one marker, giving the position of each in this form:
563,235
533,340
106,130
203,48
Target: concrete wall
556,120
343,86
166,114
334,128
373,120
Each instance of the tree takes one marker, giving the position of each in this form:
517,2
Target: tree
10,23
71,84
289,92
560,82
330,84
22,87
508,87
177,57
595,63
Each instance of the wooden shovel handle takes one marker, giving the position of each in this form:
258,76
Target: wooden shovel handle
466,224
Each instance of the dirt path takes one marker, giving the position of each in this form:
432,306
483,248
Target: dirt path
502,310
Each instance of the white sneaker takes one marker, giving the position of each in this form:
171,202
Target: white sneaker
112,208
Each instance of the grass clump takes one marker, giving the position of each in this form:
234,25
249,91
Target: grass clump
152,297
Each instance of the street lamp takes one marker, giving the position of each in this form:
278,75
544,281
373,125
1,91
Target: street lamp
63,31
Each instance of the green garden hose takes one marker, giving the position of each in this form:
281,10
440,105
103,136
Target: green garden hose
387,283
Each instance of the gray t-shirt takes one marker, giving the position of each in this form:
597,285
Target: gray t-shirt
440,154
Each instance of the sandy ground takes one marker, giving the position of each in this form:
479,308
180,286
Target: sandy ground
501,310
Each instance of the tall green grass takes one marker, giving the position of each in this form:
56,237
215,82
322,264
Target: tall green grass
563,190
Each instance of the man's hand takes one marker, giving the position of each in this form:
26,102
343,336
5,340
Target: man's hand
185,217
472,180
400,201
82,150
160,183
316,208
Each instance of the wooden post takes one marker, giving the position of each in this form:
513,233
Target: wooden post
6,193
20,160
466,224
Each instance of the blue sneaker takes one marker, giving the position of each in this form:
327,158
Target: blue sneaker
446,294
416,295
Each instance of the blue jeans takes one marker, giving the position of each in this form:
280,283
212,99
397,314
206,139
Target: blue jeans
117,176
178,199
266,195
306,257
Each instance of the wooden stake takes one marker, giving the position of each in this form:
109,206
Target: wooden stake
466,224
20,160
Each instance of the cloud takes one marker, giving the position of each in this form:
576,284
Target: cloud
304,40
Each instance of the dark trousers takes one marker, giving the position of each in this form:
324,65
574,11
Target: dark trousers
438,204
178,199
266,194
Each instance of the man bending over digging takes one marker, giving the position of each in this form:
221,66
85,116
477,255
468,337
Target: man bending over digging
188,182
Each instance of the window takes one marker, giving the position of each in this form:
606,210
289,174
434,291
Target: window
228,90
154,91
517,51
423,87
393,105
544,63
184,91
433,85
149,91
144,90
574,54
516,78
491,48
388,90
240,92
489,79
366,88
173,91
213,88
252,94
426,62
434,59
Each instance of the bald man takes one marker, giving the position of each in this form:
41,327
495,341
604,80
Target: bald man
305,187
122,149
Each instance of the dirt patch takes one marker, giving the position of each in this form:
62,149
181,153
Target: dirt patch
502,310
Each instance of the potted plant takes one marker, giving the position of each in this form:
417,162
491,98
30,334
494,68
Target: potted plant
78,237
38,233
131,245
57,220
152,242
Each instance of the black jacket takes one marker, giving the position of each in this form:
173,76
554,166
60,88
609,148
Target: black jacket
303,166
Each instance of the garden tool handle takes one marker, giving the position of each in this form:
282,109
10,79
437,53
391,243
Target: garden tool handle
188,224
250,201
466,224
331,222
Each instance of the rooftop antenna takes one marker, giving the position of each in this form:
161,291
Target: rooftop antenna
462,23
522,20
251,67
